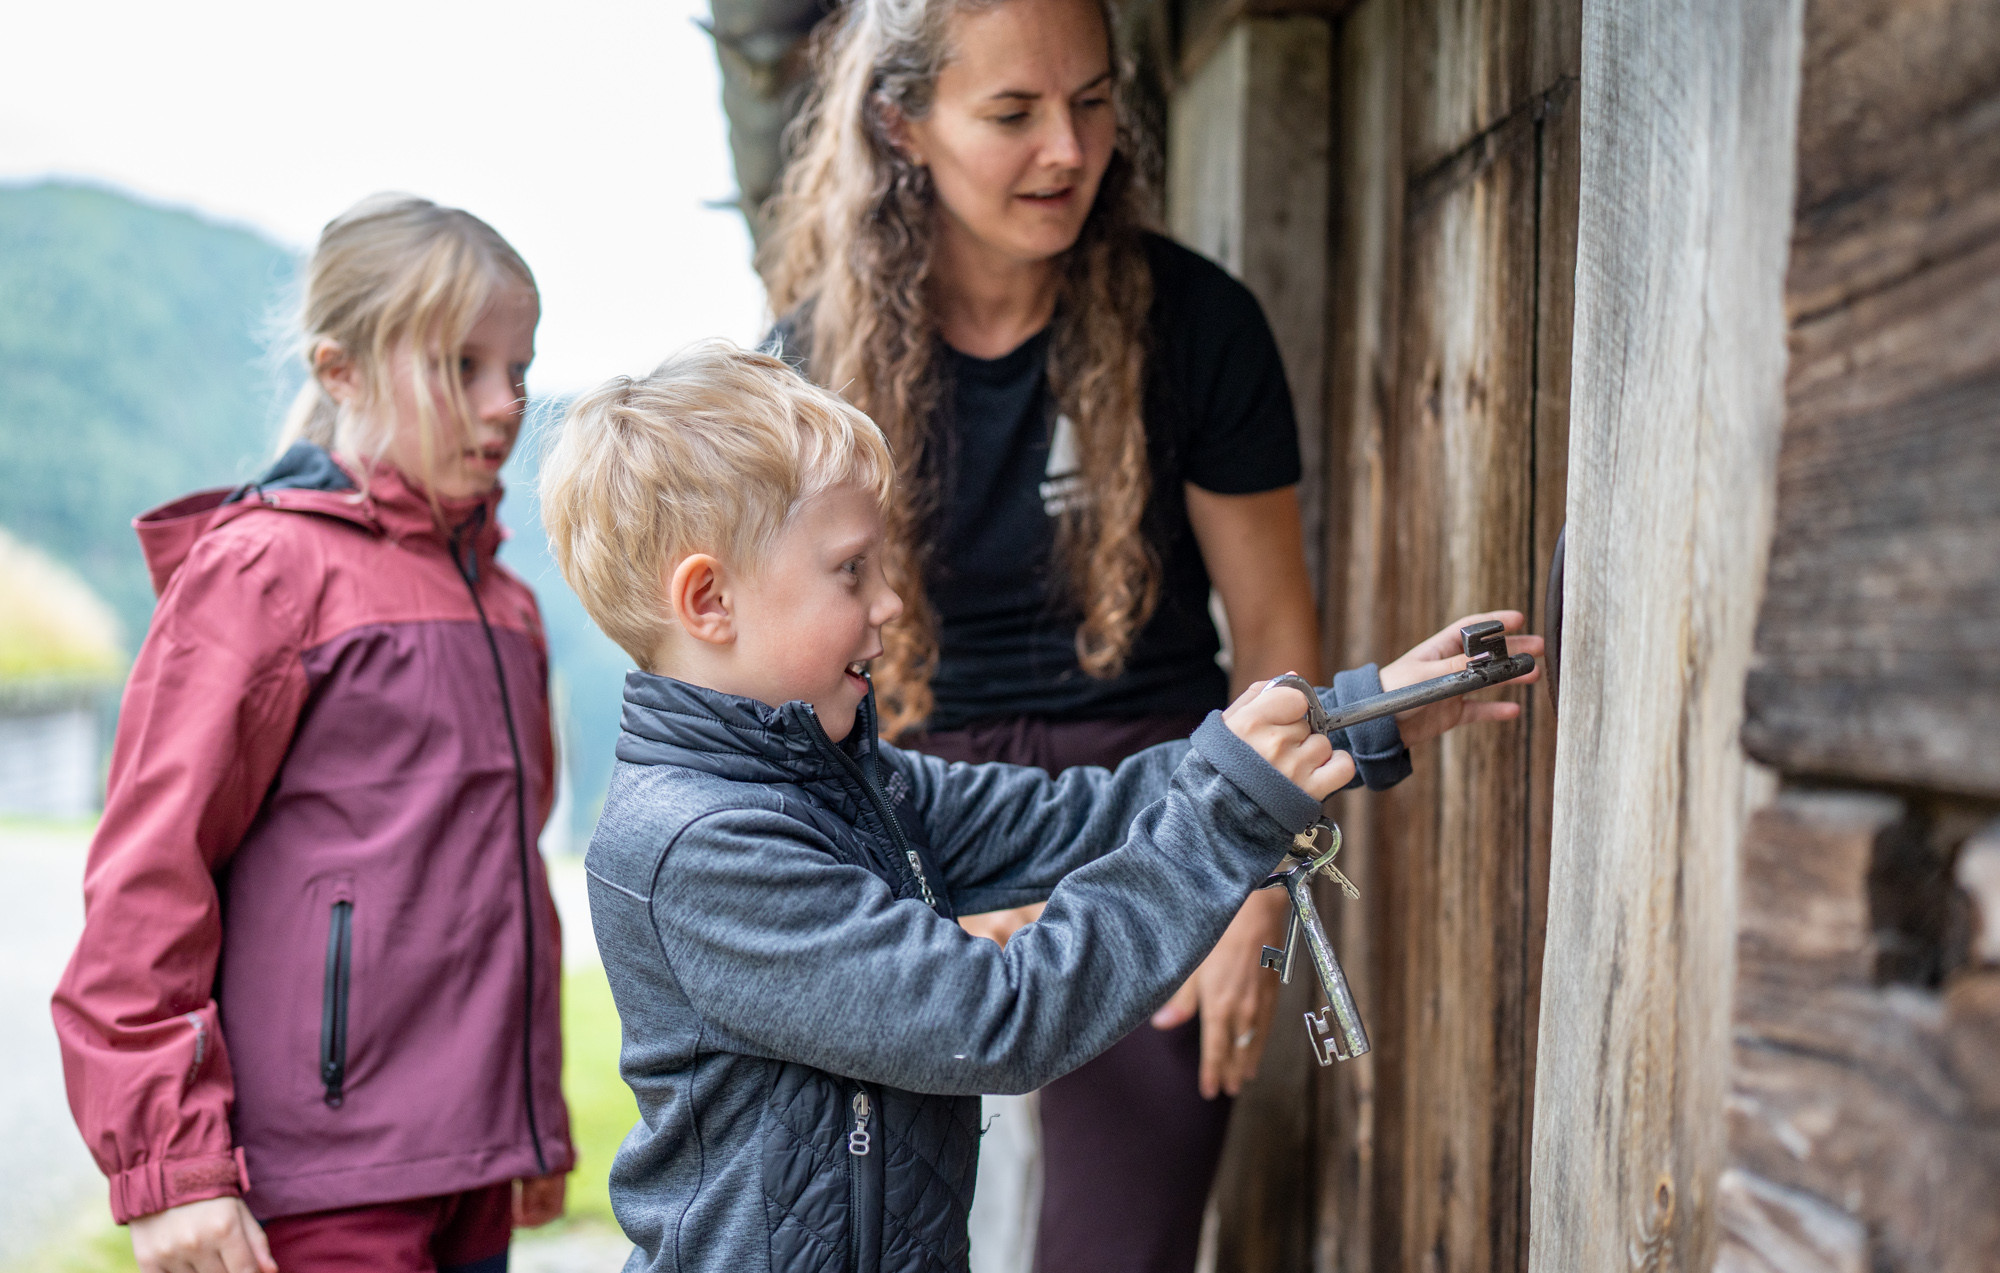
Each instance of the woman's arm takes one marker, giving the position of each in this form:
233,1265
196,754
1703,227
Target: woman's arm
1255,553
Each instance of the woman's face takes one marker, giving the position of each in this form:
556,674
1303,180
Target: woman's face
1021,127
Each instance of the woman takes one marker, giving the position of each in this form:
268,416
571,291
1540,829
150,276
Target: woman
1092,429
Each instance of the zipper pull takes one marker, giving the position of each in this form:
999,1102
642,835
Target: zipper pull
858,1139
924,884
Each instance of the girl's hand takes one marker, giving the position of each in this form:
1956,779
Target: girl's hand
1273,721
539,1199
1233,995
215,1235
1444,653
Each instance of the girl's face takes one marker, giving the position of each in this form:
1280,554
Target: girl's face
466,457
1021,127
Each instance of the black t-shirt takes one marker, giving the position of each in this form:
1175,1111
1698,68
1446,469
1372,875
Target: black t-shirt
1218,415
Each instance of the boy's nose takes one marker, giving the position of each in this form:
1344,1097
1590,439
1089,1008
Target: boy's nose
889,608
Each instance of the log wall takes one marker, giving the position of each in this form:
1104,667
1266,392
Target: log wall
1864,1107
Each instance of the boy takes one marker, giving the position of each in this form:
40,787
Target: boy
773,888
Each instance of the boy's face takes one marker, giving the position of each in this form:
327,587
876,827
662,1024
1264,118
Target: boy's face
811,616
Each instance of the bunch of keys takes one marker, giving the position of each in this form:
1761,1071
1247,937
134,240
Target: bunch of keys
1344,1037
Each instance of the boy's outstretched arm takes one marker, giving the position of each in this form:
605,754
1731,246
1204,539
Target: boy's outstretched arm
1004,834
786,953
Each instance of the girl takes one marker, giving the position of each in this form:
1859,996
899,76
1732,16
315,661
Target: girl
1093,430
312,1020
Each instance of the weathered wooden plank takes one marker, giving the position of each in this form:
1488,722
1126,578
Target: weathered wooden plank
1353,1154
1878,76
1468,65
1555,303
1688,110
1972,1041
1461,462
1978,873
1248,140
1874,654
1204,25
1767,1228
1920,1177
1803,914
1247,185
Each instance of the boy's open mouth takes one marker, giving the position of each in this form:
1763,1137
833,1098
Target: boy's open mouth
858,672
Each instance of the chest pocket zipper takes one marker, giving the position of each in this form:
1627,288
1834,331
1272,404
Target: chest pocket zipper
333,1005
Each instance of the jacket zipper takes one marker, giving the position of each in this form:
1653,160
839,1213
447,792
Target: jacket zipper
333,1004
864,1189
469,571
882,810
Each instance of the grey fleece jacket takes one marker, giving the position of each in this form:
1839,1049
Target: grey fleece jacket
775,915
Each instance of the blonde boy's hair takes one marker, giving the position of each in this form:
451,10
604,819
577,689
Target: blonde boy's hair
713,452
394,271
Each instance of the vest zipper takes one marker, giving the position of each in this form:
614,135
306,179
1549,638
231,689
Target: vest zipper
469,571
333,1004
882,809
864,1177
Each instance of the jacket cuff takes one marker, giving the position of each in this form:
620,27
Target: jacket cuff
154,1186
1380,758
1236,760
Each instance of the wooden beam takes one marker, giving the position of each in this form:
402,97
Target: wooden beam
1247,185
1247,146
1689,111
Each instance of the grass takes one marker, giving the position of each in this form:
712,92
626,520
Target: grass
601,1111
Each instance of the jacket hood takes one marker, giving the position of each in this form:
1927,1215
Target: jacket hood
670,722
309,479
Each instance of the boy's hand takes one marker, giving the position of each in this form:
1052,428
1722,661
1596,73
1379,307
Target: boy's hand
215,1235
1273,721
539,1199
1444,653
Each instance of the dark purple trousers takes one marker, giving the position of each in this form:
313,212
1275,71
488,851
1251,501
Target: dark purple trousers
1129,1146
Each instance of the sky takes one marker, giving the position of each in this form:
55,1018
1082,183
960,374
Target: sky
589,133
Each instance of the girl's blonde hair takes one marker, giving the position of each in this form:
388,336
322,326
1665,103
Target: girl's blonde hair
848,259
394,272
713,452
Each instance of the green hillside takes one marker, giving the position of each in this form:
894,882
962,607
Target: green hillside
132,369
135,366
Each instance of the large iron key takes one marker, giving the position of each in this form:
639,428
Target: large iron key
1343,1037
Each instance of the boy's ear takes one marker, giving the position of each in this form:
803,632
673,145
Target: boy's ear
700,599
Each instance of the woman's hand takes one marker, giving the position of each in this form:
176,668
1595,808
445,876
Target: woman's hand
1444,653
1233,995
215,1235
539,1199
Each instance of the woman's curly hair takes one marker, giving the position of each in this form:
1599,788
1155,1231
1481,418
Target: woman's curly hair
847,255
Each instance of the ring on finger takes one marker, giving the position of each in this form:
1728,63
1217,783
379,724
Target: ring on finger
1246,1038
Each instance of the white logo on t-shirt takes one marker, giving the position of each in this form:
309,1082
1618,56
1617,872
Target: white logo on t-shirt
1063,488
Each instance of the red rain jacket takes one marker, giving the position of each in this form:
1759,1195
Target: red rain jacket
313,904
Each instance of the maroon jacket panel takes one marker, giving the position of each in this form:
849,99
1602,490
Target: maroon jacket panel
315,718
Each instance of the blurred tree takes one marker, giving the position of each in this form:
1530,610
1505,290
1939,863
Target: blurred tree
134,367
